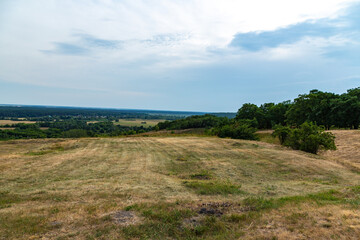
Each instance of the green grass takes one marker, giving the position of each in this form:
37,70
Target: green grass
268,138
168,220
16,226
213,187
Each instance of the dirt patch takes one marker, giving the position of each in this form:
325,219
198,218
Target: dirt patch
125,218
214,208
210,212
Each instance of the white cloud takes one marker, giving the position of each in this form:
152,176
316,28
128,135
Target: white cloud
155,35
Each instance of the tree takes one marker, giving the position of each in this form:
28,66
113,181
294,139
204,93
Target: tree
251,111
315,106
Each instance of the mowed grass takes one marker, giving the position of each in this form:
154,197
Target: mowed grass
178,187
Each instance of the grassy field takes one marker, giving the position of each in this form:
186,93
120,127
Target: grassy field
139,122
177,188
136,122
5,122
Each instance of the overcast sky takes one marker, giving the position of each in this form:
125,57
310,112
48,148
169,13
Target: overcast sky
200,55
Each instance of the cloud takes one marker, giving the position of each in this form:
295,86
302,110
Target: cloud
254,41
196,54
83,45
66,49
93,42
344,25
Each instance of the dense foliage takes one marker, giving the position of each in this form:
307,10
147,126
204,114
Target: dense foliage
219,126
308,137
326,109
237,130
199,121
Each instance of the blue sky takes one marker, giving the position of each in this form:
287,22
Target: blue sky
200,55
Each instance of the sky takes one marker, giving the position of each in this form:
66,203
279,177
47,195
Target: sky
192,55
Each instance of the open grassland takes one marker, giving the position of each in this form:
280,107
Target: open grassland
176,187
5,122
139,122
135,122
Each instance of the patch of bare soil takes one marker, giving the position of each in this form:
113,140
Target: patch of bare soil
126,218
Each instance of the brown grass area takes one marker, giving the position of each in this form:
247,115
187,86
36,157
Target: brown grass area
348,148
307,221
68,188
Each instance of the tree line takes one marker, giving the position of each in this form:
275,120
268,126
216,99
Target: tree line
42,113
324,108
69,129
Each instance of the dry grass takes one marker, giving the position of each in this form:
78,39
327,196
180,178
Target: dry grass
70,188
348,148
307,221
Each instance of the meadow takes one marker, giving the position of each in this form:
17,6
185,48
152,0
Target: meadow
135,122
177,187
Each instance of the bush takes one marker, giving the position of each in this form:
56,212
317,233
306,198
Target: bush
75,133
308,137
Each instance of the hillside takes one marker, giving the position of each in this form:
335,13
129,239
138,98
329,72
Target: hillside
176,187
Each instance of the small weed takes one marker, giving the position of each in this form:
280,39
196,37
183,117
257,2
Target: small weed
201,175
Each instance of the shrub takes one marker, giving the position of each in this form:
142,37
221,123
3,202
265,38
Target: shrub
282,132
308,137
237,131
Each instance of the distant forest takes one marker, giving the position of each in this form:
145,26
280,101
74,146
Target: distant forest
319,108
47,113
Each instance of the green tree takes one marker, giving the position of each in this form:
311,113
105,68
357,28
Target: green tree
316,106
251,111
